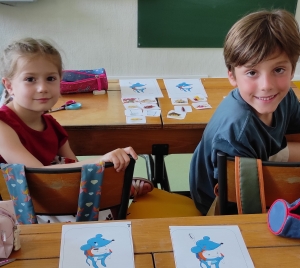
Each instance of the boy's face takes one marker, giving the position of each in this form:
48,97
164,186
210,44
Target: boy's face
264,85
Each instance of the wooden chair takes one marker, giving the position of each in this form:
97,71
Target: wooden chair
281,180
55,191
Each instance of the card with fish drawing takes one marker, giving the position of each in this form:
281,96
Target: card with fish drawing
97,245
176,115
209,247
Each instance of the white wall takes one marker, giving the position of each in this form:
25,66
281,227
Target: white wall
103,33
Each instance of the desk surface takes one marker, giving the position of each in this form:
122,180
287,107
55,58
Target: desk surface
216,89
98,111
100,125
151,237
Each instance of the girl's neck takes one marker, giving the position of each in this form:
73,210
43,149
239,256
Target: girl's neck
32,119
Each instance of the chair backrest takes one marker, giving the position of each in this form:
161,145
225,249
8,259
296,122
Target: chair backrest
55,191
281,180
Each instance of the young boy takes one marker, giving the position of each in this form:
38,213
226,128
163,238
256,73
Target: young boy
261,52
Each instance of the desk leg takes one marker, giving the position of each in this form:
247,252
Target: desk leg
160,173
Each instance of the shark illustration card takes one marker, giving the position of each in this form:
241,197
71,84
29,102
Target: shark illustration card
209,247
140,88
177,88
97,245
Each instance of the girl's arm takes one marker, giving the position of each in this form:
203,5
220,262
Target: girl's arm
13,151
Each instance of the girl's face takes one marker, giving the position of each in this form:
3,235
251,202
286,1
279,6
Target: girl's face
35,85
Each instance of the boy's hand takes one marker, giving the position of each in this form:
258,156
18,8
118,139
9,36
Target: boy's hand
120,158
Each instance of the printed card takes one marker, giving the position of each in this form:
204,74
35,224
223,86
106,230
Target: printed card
184,87
209,246
179,101
133,112
138,119
130,106
176,115
198,98
140,88
150,106
152,113
184,109
130,100
97,245
201,105
151,100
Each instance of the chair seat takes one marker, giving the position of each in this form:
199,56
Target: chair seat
161,204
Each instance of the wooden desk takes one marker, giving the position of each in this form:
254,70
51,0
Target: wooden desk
151,237
100,125
189,130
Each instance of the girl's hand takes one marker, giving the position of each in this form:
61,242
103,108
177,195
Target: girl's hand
120,158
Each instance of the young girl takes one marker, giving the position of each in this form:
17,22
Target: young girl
31,74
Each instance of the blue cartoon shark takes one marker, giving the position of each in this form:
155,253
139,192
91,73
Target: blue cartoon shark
207,252
184,87
94,251
138,87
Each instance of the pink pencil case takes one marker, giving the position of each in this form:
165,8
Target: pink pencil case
78,81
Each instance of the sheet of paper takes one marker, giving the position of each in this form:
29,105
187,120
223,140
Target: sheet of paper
209,246
97,245
140,88
179,88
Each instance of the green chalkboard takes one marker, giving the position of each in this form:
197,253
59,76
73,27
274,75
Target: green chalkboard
195,23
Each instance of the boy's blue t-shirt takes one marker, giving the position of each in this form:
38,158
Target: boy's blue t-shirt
236,130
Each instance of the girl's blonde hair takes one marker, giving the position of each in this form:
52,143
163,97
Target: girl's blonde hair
258,35
28,48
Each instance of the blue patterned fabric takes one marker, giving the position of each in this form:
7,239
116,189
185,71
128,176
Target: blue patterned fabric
90,192
16,183
284,218
88,200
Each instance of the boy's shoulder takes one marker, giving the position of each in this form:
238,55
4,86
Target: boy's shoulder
233,105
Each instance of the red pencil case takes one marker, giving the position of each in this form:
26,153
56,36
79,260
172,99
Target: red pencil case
78,81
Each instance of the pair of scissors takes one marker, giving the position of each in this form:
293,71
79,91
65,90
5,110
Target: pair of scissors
69,105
